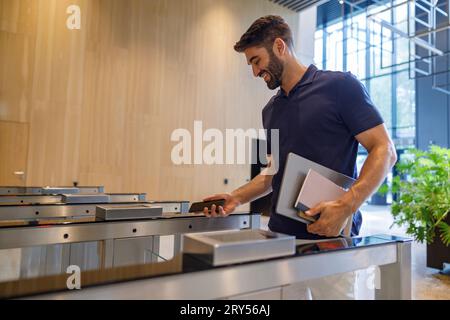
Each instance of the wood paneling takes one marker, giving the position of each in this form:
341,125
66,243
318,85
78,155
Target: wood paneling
102,101
13,151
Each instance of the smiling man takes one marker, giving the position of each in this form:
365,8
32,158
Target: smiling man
320,115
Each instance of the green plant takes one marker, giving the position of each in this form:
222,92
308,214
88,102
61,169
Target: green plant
423,193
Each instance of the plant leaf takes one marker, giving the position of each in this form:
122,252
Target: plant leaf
422,187
445,233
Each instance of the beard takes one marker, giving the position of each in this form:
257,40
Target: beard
275,70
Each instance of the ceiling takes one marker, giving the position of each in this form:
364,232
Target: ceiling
298,5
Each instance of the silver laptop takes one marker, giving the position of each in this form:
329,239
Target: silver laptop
295,173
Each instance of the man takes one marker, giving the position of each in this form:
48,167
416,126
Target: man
320,115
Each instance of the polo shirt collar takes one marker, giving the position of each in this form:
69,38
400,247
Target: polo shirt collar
307,78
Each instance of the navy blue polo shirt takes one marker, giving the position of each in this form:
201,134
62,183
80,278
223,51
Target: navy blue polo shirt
319,120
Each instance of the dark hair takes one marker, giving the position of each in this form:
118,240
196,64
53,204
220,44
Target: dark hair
263,32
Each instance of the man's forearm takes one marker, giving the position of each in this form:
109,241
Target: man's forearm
256,188
379,162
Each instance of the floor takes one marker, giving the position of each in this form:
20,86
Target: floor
427,283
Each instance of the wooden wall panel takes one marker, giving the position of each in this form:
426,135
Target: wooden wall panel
102,101
17,34
13,151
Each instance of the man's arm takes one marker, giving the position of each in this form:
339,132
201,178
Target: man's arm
382,157
259,186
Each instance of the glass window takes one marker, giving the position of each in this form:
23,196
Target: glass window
406,106
381,94
379,58
356,46
334,40
318,49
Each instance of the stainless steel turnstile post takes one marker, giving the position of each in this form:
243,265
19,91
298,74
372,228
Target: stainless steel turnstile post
395,278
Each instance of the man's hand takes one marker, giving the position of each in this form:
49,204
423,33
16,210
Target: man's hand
257,187
231,202
381,158
332,220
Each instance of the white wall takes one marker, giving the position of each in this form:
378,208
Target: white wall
305,35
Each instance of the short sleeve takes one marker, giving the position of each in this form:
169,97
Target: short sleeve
355,106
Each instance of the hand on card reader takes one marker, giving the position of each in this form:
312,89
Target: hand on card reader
200,206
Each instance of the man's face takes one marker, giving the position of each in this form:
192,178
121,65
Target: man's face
265,65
